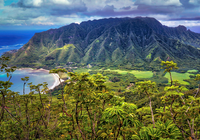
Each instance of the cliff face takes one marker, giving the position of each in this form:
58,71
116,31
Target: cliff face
116,41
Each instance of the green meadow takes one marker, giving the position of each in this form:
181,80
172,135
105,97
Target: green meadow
192,71
180,76
142,74
136,73
147,74
80,70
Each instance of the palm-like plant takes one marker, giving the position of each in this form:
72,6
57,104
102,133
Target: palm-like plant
168,129
120,118
162,131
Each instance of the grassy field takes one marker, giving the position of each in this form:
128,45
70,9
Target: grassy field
136,73
179,76
80,70
192,71
142,74
118,71
149,74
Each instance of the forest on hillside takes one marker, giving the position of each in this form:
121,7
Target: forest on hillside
86,108
132,43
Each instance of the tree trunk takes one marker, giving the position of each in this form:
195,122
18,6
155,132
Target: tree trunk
82,134
171,78
2,106
120,125
151,112
24,88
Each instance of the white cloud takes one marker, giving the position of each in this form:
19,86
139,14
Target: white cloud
1,3
37,3
195,2
62,12
180,22
159,16
41,21
48,3
65,2
94,5
19,13
159,2
121,3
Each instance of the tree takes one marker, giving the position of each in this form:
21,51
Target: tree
87,97
183,111
119,120
169,66
88,109
5,85
25,79
148,88
25,116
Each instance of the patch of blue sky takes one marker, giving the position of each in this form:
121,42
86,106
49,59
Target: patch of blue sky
9,2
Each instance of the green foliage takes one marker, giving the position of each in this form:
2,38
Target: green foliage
197,77
147,87
162,131
169,66
174,91
109,42
88,109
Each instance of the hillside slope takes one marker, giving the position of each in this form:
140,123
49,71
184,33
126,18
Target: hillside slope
111,41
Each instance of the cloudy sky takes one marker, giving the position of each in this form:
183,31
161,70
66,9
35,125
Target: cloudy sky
35,14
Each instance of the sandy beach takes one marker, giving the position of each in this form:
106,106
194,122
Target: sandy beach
34,70
55,76
57,82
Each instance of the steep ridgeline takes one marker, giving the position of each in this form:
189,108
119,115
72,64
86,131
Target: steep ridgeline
114,40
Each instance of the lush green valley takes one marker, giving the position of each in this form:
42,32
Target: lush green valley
85,107
120,79
121,82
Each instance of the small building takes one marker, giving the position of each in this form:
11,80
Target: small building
89,66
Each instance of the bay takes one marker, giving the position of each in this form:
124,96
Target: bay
35,76
14,40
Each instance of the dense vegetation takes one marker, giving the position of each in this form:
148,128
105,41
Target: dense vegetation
132,43
87,109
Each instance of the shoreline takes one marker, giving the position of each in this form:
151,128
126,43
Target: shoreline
56,81
54,75
35,70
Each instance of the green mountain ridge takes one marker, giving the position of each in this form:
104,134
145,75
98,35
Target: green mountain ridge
111,41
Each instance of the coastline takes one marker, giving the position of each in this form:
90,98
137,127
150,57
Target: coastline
57,82
55,76
35,70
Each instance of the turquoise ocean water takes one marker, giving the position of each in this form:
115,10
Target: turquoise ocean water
35,77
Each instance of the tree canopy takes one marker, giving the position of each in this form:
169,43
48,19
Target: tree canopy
88,109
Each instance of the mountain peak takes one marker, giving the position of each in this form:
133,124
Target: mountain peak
182,28
115,41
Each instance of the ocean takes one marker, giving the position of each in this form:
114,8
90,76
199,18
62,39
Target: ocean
35,76
10,40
